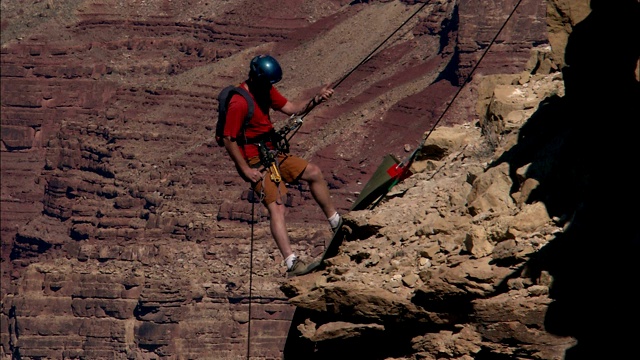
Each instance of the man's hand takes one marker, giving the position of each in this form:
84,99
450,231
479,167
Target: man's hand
244,170
324,94
299,108
253,175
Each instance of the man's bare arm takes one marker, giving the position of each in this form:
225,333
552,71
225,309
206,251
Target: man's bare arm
245,171
291,108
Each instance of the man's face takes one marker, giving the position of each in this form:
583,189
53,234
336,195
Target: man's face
261,85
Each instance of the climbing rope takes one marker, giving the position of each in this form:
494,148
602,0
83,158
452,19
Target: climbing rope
295,121
250,279
366,58
402,166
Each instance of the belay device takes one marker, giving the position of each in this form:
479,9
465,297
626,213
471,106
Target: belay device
269,161
282,136
280,140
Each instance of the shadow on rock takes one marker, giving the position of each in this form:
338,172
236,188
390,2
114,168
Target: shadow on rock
583,149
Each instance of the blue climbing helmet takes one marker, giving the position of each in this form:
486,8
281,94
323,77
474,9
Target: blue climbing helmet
265,67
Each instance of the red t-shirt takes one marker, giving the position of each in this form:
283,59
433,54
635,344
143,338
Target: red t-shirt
259,124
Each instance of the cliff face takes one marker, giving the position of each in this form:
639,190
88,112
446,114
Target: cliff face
126,232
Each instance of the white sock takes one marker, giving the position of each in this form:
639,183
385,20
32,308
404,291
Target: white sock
289,260
334,220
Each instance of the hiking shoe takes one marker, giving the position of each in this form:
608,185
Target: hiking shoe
336,228
299,267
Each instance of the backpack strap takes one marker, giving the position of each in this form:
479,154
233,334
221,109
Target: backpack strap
240,90
223,99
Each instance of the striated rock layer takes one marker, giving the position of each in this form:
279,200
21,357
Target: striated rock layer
127,234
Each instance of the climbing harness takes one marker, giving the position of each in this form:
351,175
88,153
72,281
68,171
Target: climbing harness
269,159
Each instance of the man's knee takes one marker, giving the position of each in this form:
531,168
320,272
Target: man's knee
312,173
276,208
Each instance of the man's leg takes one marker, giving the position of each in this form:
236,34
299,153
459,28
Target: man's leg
295,267
279,228
294,168
272,199
319,189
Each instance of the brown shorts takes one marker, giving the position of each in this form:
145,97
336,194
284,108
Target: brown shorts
291,168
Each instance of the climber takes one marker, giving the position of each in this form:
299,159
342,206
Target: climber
269,173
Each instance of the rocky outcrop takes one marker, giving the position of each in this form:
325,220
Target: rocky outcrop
127,234
488,250
439,268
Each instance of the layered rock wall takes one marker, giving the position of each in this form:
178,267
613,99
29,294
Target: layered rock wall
126,232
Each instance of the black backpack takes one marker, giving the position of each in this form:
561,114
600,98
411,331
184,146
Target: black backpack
223,102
